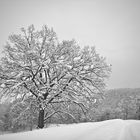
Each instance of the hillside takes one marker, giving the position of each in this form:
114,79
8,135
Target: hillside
113,96
109,130
119,104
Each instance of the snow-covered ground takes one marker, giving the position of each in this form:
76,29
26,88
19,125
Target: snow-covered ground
106,130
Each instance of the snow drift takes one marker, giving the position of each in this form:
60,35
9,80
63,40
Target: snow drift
106,130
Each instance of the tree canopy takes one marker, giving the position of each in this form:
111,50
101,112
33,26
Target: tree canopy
35,64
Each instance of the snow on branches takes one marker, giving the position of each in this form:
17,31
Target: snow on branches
35,63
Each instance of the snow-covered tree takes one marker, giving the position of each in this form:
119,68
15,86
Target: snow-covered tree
36,64
23,113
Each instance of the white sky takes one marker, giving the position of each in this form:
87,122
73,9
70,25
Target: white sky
113,26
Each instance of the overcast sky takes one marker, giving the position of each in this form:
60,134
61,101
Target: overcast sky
113,26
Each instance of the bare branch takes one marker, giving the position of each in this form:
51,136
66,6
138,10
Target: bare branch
25,85
57,94
59,111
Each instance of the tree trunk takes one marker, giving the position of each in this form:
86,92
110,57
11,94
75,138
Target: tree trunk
31,126
41,118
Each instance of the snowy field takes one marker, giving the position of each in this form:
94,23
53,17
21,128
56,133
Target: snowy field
106,130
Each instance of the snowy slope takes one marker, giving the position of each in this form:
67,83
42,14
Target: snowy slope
106,130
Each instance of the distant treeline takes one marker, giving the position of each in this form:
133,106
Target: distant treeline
117,104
